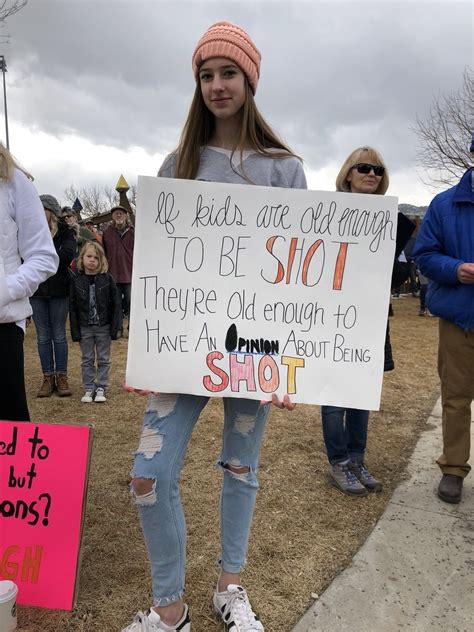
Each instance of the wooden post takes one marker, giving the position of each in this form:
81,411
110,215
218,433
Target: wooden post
122,187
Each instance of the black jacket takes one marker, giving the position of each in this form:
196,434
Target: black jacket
107,298
57,286
400,273
388,364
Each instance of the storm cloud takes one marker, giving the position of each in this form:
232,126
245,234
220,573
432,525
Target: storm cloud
113,79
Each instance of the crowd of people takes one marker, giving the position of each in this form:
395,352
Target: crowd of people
417,282
82,287
54,266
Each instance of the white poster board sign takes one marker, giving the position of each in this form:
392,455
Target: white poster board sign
243,291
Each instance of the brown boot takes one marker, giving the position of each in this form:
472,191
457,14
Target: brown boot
47,387
62,385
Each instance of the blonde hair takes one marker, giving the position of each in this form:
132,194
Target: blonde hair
8,164
52,222
255,133
361,154
99,251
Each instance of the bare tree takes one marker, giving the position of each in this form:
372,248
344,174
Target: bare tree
96,199
10,7
445,135
132,196
110,196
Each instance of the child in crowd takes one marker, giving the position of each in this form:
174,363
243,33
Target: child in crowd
94,310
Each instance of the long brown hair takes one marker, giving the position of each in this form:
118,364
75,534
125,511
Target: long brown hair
255,133
52,223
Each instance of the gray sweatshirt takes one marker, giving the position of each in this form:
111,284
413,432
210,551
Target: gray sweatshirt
215,166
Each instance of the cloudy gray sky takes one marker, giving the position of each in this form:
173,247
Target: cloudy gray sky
100,88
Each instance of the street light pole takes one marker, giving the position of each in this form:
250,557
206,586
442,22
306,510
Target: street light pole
3,68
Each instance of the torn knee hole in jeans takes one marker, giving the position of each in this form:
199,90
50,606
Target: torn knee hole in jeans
244,424
236,469
144,491
162,403
151,442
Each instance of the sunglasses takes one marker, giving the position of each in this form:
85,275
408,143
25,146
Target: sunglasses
365,168
67,216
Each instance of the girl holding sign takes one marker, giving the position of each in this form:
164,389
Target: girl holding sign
225,139
345,429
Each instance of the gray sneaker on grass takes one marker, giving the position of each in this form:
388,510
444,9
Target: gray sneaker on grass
344,479
365,477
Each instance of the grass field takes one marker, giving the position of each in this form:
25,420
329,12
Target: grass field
304,533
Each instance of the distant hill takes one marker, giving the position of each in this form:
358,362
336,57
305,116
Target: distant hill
412,211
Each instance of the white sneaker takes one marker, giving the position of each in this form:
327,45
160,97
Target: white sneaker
87,397
151,622
233,606
100,396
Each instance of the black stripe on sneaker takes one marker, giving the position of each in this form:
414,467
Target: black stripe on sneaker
225,617
185,622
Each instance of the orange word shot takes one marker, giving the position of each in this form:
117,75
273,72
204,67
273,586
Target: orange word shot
304,264
245,371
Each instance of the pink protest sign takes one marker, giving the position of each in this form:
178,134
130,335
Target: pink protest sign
43,481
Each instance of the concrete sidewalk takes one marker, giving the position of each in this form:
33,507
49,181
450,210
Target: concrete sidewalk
416,569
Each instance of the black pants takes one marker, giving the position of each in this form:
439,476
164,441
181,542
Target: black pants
13,406
423,290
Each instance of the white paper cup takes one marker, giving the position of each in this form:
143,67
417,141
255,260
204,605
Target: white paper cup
8,593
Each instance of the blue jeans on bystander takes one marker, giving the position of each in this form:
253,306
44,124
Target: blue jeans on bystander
49,316
345,433
95,349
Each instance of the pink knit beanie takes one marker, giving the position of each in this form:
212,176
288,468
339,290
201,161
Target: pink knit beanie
224,39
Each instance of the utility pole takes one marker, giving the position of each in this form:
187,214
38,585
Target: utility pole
3,68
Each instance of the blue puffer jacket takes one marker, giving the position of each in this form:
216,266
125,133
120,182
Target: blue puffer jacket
445,240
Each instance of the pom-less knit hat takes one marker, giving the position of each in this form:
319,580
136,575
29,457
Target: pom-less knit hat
50,203
224,39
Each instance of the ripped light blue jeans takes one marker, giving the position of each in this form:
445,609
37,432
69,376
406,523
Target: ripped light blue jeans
167,427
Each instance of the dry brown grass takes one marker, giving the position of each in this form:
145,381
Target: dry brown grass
304,531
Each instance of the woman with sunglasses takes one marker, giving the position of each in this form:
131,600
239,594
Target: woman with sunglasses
345,429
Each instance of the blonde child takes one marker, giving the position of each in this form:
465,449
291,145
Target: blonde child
94,318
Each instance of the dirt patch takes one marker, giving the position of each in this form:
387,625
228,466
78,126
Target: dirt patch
304,532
